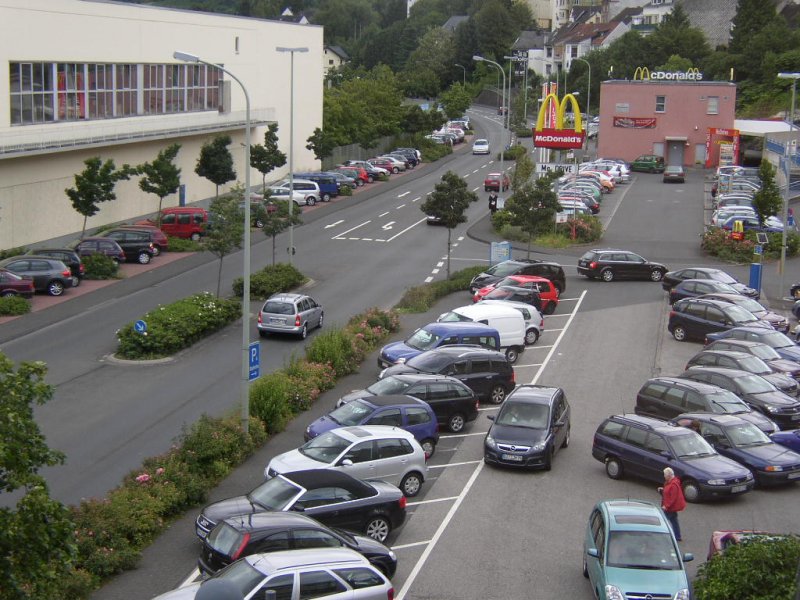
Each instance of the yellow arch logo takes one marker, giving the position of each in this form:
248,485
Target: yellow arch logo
560,110
642,73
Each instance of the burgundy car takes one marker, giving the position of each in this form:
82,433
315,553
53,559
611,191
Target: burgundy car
12,284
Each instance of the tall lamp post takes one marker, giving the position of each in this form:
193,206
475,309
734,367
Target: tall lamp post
291,51
245,383
794,77
588,96
503,108
465,73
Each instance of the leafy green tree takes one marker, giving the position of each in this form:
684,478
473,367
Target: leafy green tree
267,157
345,19
456,101
752,16
420,83
676,63
37,541
215,162
675,35
628,52
533,208
417,120
767,202
435,52
321,144
277,221
448,202
495,30
226,231
161,177
95,184
523,170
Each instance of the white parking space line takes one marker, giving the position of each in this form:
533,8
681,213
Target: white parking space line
458,464
428,279
559,338
383,214
399,206
334,224
475,171
552,329
530,365
402,546
403,194
340,236
407,228
417,198
191,578
539,347
475,189
448,499
479,410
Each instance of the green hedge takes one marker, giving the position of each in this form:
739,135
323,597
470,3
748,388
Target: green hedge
12,306
12,252
177,326
183,245
718,242
422,297
99,266
271,279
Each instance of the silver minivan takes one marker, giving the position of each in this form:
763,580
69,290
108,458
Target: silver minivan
290,313
309,190
366,452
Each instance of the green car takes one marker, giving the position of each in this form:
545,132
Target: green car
649,163
630,548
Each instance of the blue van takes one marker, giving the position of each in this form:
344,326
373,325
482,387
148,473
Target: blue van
434,335
328,186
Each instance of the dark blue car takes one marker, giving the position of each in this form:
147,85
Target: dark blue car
782,344
745,443
409,413
434,335
643,447
788,439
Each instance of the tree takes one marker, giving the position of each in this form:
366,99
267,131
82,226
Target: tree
675,35
523,170
95,184
37,541
321,144
226,230
161,177
456,101
265,158
278,220
767,202
447,203
751,17
533,208
215,162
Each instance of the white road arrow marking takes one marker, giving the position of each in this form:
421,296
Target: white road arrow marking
388,225
334,224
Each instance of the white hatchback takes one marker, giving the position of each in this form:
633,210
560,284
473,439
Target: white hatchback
481,147
366,452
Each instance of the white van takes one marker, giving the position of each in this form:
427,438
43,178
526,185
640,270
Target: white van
308,190
534,322
507,320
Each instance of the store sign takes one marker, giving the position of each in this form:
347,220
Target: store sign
635,122
542,168
557,136
644,74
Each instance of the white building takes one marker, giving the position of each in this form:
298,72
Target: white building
88,78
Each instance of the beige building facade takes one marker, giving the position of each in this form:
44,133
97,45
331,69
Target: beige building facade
84,78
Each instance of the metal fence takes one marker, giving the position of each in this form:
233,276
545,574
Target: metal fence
356,152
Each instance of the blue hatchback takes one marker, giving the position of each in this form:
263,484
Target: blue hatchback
434,335
409,413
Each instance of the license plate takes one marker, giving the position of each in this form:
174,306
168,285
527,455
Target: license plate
511,457
201,533
794,475
795,417
738,488
275,320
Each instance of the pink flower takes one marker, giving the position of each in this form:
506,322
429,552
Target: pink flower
160,471
143,478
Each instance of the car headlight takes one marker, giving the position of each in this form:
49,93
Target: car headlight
400,361
489,441
613,593
539,447
716,482
774,468
772,409
392,555
682,594
749,476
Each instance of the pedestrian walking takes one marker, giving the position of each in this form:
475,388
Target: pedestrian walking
672,500
492,202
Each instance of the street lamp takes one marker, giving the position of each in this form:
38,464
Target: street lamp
588,87
245,383
503,108
794,77
465,73
291,143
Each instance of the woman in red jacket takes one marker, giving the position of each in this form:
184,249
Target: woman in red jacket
672,500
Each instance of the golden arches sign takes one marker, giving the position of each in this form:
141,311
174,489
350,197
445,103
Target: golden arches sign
645,74
556,136
642,73
560,111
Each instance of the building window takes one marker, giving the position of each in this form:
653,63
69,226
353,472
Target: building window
153,89
661,104
71,93
101,91
713,105
573,52
126,90
549,52
32,93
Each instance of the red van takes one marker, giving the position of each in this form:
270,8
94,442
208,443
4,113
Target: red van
188,222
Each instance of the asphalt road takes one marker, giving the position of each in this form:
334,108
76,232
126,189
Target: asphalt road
475,531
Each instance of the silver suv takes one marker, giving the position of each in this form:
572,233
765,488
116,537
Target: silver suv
366,452
289,313
312,573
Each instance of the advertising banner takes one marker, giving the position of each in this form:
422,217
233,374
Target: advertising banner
635,122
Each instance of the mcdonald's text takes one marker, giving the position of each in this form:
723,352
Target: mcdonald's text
558,138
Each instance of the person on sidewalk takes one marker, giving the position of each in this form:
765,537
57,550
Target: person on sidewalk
672,500
492,202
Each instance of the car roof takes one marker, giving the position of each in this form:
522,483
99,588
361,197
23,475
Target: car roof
731,353
698,386
721,304
736,342
534,394
365,432
283,560
286,297
267,519
724,371
650,422
465,350
466,326
718,418
414,377
393,400
319,478
636,515
707,281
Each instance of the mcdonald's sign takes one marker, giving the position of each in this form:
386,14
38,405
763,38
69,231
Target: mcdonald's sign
644,74
557,136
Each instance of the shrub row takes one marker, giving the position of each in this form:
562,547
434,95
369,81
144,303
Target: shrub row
718,242
176,326
111,532
183,245
422,297
587,228
11,306
99,266
270,280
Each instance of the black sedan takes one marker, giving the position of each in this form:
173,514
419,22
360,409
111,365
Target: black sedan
762,351
243,535
779,322
609,264
672,279
692,288
744,361
333,498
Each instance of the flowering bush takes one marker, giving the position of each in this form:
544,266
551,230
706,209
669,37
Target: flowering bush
718,242
586,228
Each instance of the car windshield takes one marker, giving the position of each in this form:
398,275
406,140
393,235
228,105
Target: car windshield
746,434
753,364
738,314
523,414
749,304
430,362
388,386
764,352
278,308
690,446
503,269
727,402
423,340
721,276
351,413
453,317
642,550
775,339
325,447
753,384
724,288
243,576
274,494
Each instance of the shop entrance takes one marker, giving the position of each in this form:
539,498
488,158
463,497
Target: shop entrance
675,152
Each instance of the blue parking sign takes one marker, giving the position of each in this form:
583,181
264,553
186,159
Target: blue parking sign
254,360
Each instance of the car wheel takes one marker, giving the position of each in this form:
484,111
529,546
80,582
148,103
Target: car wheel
455,424
613,468
7,294
359,183
656,275
326,197
497,395
411,484
796,292
76,281
378,528
371,179
585,570
321,320
607,275
548,461
429,446
304,331
195,237
565,443
531,337
55,288
679,333
691,491
157,250
559,287
550,308
259,224
144,258
311,201
395,170
512,355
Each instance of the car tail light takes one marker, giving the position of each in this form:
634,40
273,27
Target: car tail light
402,502
513,376
593,264
66,273
150,245
477,404
260,321
671,314
297,322
390,594
240,549
81,268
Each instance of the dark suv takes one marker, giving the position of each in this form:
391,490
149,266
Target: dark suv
696,317
644,447
48,274
486,372
137,244
68,257
549,270
453,402
610,264
667,397
100,245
